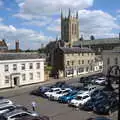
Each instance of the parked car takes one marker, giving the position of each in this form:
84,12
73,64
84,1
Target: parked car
60,93
85,80
17,113
97,93
100,81
66,98
52,91
106,107
90,89
40,91
1,97
9,107
59,84
5,101
33,118
88,106
79,100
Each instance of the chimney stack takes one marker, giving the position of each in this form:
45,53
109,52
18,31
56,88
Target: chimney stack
17,45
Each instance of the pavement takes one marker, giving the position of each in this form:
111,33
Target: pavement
51,80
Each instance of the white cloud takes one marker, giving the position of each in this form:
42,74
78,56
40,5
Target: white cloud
118,11
27,37
31,8
1,19
39,22
55,26
1,3
97,22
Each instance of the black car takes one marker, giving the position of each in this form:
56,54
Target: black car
85,81
98,93
40,91
1,97
59,84
106,107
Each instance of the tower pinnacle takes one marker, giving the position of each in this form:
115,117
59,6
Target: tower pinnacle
69,15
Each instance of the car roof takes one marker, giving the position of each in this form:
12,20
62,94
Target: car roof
14,112
4,100
82,95
55,88
6,105
64,89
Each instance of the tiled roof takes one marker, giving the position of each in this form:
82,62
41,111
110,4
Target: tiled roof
17,56
76,50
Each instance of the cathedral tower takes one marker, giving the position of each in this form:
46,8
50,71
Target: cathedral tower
69,28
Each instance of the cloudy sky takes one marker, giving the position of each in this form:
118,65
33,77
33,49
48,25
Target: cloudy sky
36,22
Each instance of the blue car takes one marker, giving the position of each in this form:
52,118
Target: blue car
66,98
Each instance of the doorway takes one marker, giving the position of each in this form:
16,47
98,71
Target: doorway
16,79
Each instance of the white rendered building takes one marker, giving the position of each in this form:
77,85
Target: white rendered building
17,69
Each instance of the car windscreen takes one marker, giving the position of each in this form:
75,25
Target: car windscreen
85,89
78,98
59,92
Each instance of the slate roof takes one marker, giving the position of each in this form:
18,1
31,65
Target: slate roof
98,41
18,56
76,50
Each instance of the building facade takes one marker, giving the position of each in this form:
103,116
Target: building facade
3,46
69,28
17,69
111,58
74,61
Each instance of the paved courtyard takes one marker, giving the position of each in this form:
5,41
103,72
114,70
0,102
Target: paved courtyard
55,110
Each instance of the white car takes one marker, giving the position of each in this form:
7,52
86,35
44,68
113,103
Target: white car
5,101
90,89
17,113
79,100
62,92
52,91
100,80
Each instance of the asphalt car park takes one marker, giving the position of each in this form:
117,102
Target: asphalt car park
53,109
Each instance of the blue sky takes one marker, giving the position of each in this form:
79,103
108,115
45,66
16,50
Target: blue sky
34,22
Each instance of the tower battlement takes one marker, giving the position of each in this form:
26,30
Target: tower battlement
69,28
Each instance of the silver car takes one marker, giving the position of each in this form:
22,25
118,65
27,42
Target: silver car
17,113
10,107
5,101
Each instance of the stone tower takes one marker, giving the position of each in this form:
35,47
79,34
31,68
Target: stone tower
17,46
69,28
